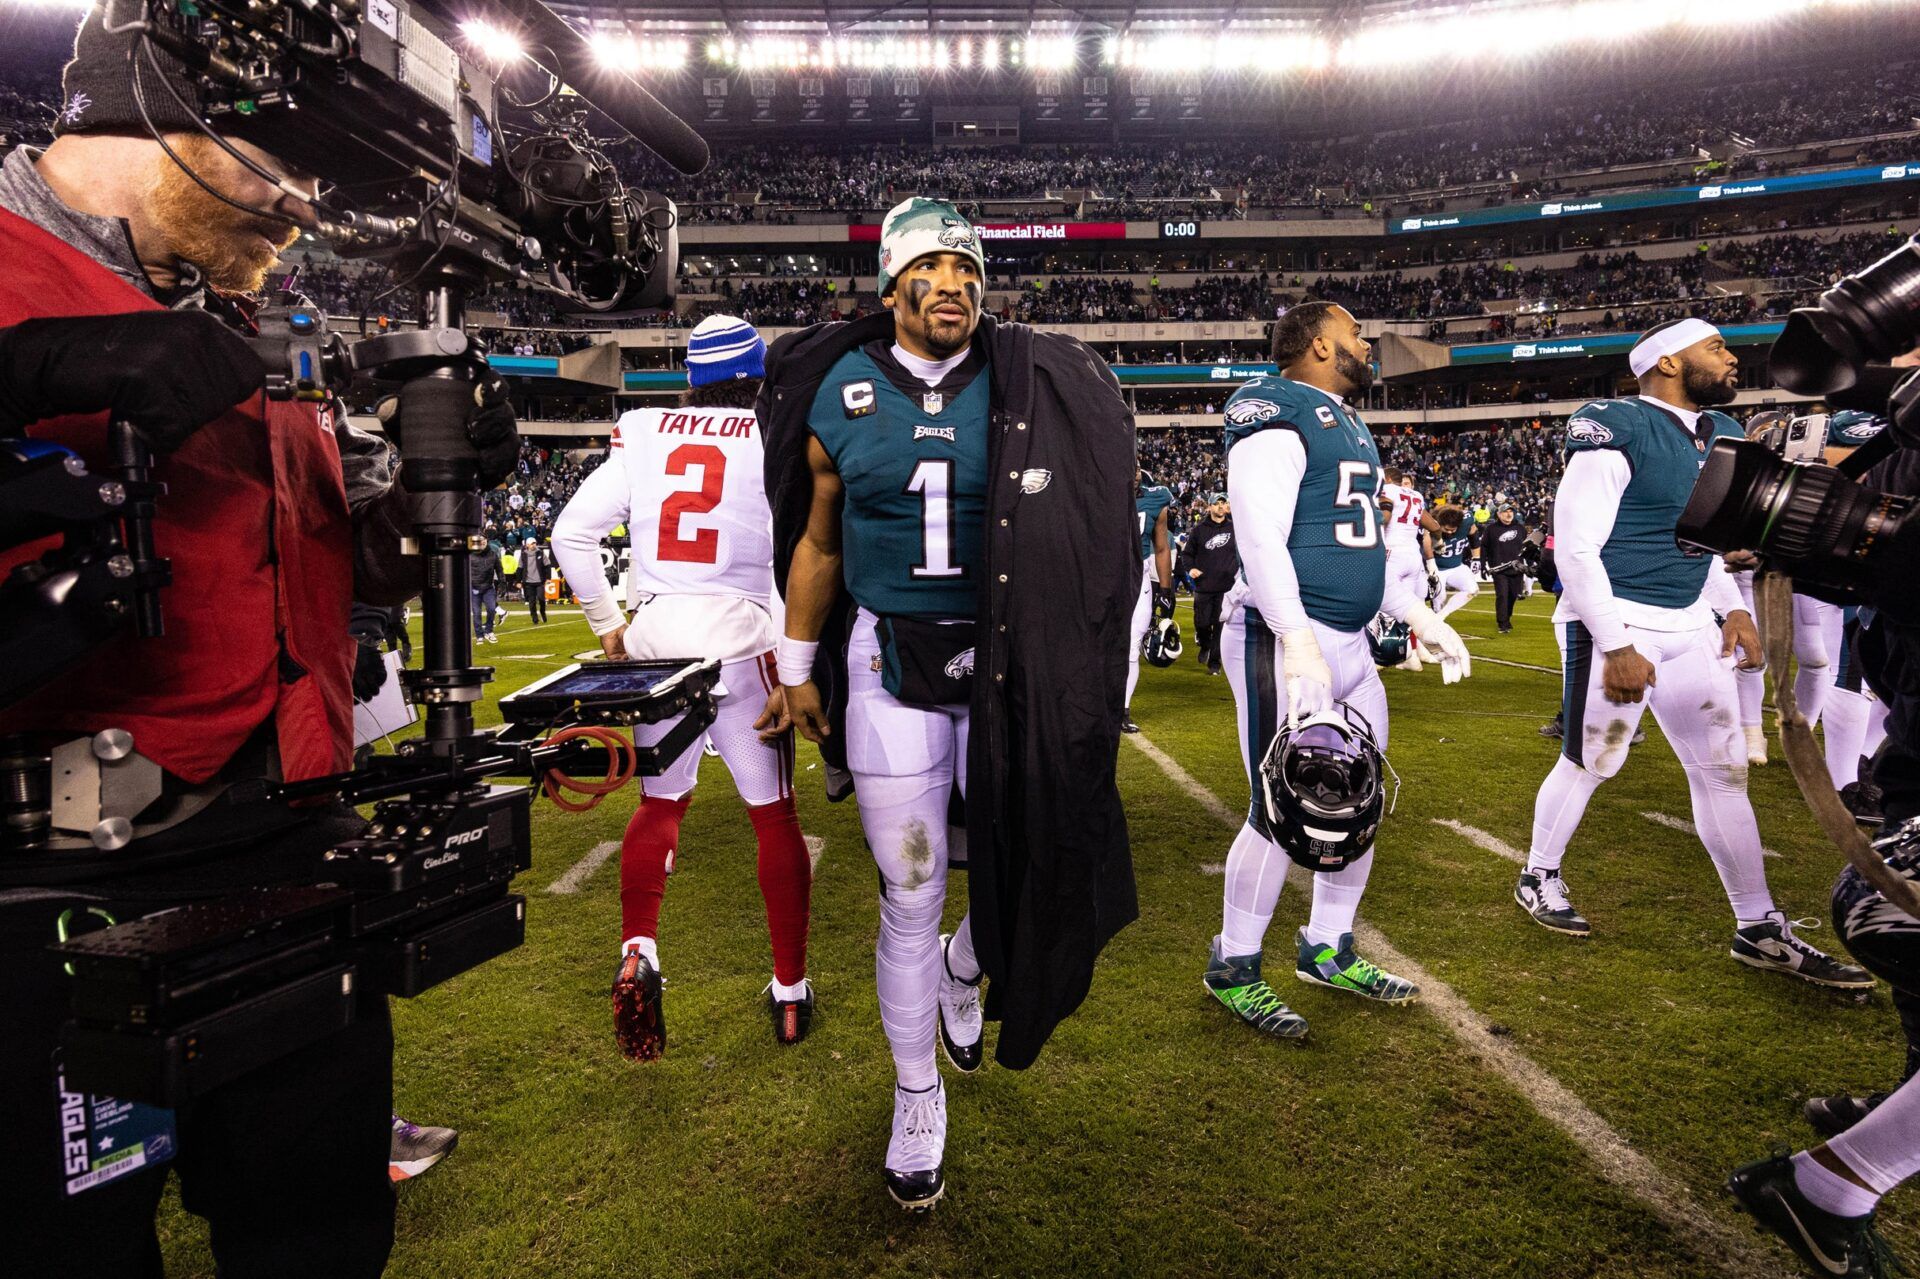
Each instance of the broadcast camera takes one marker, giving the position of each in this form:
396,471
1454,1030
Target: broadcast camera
1773,497
441,171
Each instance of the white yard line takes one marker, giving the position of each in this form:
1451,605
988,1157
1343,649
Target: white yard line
1686,827
581,871
1492,843
1713,1241
1525,666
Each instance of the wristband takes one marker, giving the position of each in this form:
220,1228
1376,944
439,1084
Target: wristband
793,659
603,615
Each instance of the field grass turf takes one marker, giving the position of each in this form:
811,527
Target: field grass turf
1155,1136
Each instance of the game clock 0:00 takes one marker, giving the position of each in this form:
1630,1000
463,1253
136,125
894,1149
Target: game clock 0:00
1182,230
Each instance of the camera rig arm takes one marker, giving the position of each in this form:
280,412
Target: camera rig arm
1773,599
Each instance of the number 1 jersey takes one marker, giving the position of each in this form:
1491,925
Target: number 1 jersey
697,502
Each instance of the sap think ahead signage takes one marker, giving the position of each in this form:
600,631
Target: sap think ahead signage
1017,232
1597,345
1872,175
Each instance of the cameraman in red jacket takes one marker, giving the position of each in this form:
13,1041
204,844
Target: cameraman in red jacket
126,287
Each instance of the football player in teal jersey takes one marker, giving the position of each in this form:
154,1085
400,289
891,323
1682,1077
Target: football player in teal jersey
1636,625
1303,474
1156,579
1452,552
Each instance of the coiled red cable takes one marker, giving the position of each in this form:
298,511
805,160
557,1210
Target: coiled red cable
621,765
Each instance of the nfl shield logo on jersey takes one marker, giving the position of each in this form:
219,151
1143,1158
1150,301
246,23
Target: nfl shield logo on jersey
933,401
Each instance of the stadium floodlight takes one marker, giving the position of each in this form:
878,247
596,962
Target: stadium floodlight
938,54
490,42
990,53
1052,52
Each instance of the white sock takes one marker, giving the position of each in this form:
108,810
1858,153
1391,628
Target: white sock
1752,687
1810,686
1830,1192
1883,1149
789,994
1256,871
1724,817
1846,714
1336,900
1133,674
1457,601
1557,810
961,961
648,947
905,819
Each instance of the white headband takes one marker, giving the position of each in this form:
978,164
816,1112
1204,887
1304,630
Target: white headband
1648,351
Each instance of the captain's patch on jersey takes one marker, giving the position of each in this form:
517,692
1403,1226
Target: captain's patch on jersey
1325,415
858,398
1584,430
1247,412
933,432
1034,480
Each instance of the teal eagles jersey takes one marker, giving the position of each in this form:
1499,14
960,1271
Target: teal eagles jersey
913,518
1641,558
1338,553
1451,551
1153,499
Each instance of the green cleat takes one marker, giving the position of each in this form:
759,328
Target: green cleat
1235,981
1339,968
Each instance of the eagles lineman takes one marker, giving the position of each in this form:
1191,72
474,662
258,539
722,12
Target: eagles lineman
1636,624
1302,475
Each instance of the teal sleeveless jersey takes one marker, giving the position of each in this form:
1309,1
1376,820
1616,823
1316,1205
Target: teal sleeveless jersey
1335,542
1451,551
1643,562
914,515
1153,499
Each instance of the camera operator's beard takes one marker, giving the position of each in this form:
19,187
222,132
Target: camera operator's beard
1706,389
1357,372
234,250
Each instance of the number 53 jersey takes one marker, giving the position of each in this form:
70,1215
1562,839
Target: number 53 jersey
913,463
1334,542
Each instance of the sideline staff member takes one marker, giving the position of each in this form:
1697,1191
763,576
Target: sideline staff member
1501,545
277,517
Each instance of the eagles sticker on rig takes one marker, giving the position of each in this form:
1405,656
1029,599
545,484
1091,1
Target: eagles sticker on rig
1033,481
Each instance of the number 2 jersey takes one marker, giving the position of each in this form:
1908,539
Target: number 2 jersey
690,485
1334,542
912,460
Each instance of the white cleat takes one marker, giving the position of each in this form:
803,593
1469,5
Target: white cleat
917,1148
1756,745
962,1023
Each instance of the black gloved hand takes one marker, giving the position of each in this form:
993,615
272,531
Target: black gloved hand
494,432
169,373
369,671
1162,602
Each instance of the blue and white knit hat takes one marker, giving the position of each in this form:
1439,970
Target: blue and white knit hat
724,348
918,226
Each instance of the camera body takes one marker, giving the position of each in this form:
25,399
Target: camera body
1774,494
434,163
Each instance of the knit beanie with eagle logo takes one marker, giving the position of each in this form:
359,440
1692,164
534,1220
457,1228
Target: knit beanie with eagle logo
918,226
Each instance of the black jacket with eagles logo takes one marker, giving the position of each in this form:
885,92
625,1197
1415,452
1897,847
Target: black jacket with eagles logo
1211,549
1051,874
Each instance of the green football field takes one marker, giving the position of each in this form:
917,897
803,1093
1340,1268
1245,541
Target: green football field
1551,1107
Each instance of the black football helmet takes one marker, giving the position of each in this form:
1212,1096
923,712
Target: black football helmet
1161,645
1884,939
1322,788
1390,639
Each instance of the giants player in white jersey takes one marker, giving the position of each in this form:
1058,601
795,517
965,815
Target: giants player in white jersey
689,484
1405,522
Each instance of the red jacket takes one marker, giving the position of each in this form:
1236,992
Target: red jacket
256,525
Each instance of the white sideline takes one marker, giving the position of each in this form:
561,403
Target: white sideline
1492,843
1713,1241
1686,827
581,871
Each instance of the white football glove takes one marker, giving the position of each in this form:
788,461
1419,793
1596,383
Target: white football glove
1309,678
1455,662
